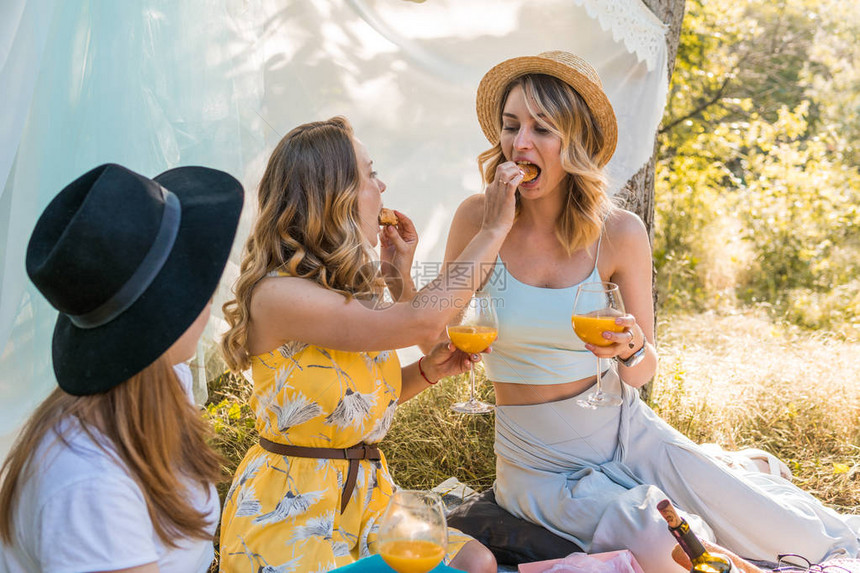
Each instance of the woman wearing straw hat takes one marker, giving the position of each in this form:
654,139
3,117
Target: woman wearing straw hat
113,472
307,322
594,475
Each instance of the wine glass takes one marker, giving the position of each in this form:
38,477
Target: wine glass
473,331
595,309
413,533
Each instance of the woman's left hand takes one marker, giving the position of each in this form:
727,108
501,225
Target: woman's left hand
624,343
445,360
397,251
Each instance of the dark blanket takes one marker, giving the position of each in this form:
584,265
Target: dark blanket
511,539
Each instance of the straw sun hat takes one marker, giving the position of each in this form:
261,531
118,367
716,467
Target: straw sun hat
572,70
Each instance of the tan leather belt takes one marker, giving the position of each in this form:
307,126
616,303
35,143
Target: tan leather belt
352,453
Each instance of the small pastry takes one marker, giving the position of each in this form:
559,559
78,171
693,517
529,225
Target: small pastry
530,171
387,217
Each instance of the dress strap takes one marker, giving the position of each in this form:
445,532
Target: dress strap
597,252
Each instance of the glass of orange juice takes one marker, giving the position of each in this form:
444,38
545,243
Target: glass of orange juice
595,309
413,534
473,331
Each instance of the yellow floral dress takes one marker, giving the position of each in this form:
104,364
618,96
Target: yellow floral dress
282,513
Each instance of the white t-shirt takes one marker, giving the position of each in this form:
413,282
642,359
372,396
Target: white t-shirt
82,512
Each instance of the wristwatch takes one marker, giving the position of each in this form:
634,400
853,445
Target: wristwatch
634,358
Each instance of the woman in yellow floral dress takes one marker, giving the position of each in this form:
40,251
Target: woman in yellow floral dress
310,322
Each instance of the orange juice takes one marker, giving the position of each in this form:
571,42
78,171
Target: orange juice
411,556
472,339
590,328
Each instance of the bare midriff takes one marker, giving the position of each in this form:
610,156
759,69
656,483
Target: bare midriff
508,394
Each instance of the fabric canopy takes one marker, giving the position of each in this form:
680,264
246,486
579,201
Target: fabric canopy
154,84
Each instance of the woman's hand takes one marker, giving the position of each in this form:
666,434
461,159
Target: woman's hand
500,202
397,251
624,343
445,360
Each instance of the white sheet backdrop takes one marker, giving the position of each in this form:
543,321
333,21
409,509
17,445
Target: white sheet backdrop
154,84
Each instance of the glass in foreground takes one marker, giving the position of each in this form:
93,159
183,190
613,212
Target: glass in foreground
413,533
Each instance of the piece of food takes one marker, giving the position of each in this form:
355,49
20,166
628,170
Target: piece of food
387,217
530,171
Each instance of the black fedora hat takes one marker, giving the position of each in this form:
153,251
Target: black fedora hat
130,262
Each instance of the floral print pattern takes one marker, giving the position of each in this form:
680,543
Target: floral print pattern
282,513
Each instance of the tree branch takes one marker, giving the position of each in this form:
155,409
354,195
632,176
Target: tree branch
718,95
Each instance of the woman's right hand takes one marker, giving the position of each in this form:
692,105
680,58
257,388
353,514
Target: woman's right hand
444,360
500,201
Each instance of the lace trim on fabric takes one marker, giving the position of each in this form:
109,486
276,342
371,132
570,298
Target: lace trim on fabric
634,24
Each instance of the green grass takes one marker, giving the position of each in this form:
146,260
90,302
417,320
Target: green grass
739,380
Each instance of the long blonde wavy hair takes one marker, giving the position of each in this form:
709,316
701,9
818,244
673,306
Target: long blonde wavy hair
308,226
561,110
153,430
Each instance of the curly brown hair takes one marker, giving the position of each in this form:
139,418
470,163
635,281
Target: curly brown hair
308,226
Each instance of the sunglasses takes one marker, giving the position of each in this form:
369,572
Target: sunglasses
788,562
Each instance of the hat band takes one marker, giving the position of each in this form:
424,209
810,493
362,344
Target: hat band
146,272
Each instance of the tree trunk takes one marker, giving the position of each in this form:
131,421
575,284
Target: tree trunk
638,194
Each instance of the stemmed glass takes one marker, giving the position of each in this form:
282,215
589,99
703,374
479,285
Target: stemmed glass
413,533
595,309
473,331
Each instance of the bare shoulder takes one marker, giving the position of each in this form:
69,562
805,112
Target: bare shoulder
470,213
291,308
271,285
625,227
277,295
466,224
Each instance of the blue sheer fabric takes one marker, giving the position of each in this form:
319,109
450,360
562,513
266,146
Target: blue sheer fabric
153,84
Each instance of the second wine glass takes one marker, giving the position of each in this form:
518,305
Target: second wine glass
413,534
472,332
595,309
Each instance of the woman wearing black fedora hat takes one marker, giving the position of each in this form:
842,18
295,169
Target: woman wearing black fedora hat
307,322
113,472
595,474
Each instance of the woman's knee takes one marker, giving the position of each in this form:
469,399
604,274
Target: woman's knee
474,557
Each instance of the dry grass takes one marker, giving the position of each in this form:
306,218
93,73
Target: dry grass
429,442
737,380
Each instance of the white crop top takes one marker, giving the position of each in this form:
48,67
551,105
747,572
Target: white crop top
536,343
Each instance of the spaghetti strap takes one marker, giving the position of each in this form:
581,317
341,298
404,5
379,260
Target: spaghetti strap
597,253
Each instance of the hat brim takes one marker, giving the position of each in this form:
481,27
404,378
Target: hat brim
100,358
495,82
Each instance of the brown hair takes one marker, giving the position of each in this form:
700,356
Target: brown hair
562,111
153,431
307,225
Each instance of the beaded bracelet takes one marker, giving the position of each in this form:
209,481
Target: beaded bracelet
421,371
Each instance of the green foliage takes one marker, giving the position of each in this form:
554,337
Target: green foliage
232,420
801,218
757,188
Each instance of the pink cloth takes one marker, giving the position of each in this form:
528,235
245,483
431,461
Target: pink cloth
609,562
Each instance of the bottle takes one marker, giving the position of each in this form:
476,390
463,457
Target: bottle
703,561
